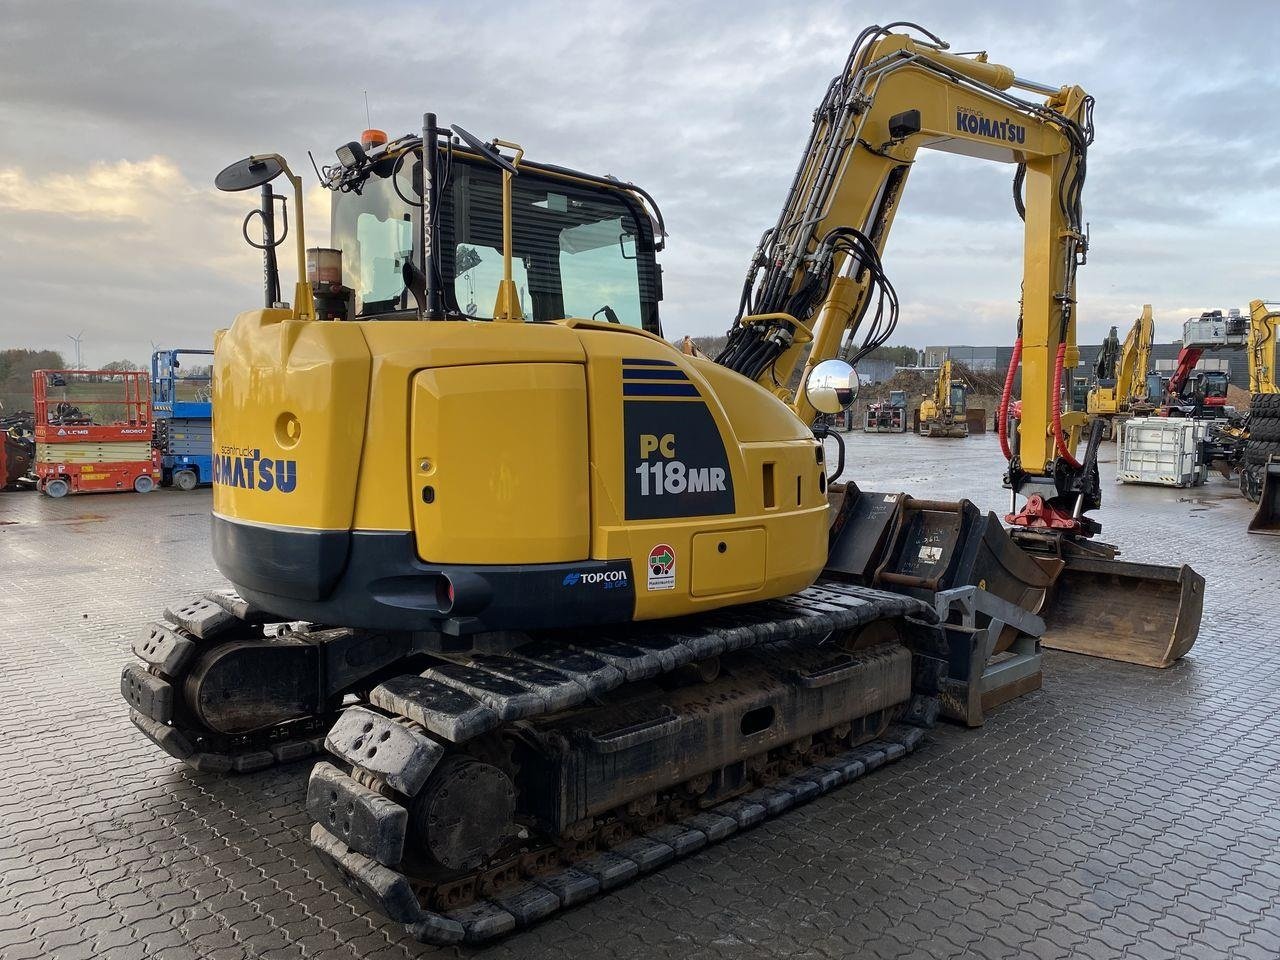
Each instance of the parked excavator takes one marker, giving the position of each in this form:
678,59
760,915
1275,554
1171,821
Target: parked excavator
1260,454
1121,382
943,413
558,651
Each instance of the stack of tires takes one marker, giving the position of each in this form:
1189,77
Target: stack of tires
1263,443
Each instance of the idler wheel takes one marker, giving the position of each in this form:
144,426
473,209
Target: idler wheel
464,813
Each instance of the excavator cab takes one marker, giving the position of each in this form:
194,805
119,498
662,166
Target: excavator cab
580,248
1213,386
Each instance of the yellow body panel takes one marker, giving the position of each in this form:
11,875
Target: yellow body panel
289,421
733,561
507,443
523,432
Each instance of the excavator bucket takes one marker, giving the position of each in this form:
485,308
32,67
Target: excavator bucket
1266,519
1133,612
955,429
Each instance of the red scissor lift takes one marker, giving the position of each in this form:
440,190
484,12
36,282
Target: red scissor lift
94,432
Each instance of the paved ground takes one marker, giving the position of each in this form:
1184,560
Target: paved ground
1119,812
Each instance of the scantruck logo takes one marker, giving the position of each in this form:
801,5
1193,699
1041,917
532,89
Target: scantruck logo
662,567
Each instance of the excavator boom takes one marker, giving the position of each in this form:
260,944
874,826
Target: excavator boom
1260,347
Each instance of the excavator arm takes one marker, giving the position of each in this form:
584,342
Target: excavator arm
1188,357
816,282
1264,325
1121,369
1135,359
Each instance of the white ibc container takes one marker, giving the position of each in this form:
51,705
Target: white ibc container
1162,450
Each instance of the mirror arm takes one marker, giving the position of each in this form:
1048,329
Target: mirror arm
303,305
434,307
508,305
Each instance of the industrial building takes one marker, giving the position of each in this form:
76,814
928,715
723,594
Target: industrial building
1164,358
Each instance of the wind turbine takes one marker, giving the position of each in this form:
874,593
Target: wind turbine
76,340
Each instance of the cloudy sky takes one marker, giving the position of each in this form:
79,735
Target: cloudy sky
115,116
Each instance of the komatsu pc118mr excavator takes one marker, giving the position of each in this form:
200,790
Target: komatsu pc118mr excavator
562,602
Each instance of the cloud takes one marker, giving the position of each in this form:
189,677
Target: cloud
133,252
106,191
706,105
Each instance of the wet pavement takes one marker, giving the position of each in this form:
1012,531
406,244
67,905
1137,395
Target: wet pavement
1118,812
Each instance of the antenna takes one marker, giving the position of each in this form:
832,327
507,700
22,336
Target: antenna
368,122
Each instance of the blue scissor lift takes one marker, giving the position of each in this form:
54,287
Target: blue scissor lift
184,427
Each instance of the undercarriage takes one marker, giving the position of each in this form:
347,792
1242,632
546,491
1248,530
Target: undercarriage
469,792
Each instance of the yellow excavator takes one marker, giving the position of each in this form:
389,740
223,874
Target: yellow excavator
1260,456
943,413
1120,389
549,653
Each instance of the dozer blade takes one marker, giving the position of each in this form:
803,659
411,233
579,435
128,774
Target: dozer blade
1133,612
1266,519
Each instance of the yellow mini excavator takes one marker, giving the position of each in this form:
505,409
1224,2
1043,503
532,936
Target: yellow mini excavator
552,652
943,413
1120,387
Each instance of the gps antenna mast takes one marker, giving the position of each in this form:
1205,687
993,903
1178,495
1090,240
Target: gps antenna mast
431,280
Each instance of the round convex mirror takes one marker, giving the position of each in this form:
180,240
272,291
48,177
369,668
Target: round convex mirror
831,386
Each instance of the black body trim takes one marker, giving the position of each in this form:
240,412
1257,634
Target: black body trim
375,580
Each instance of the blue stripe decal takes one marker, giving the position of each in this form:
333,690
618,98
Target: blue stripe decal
653,374
645,362
659,390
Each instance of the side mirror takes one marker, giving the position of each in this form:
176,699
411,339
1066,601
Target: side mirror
831,386
249,173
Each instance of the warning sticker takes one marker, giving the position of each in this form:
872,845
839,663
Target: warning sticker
662,567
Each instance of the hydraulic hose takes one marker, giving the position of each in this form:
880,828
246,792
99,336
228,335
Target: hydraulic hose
1059,440
1002,424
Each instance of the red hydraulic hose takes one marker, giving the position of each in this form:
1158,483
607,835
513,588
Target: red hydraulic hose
1002,426
1059,440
